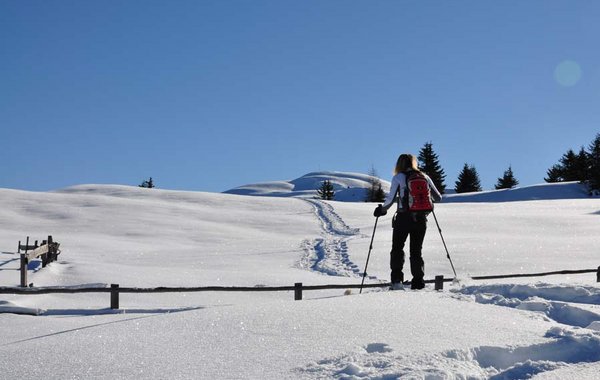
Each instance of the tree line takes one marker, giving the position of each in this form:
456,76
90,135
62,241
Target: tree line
583,166
468,179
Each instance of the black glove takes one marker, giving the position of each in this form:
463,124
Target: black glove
379,211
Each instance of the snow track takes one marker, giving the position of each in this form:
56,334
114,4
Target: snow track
575,342
329,253
379,361
563,346
573,306
331,221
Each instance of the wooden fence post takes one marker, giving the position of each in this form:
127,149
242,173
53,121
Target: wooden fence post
439,282
52,250
298,291
24,263
23,270
114,296
44,256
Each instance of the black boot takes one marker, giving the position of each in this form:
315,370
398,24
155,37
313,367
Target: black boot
417,268
417,284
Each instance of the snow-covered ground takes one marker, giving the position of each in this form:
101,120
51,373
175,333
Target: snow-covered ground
544,328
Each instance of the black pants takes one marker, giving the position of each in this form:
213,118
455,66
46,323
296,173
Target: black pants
414,225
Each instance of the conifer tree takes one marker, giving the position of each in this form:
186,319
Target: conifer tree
569,163
594,162
149,183
571,167
581,168
554,174
468,180
375,191
430,164
379,195
326,191
508,180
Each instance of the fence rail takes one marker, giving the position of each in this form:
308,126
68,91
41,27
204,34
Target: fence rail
298,287
579,271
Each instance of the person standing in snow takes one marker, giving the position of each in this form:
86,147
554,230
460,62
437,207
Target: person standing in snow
406,223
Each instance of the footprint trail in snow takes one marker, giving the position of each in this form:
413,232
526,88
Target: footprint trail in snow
329,253
572,339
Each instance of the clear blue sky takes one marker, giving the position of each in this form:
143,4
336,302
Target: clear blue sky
210,95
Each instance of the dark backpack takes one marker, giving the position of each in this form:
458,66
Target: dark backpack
417,197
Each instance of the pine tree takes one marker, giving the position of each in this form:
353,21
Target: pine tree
554,174
594,162
149,183
571,167
569,162
375,191
581,168
379,195
326,191
468,180
429,163
508,180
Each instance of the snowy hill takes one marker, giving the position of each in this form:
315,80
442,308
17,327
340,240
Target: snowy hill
546,191
352,187
513,329
348,187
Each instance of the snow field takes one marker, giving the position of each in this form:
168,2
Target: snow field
492,238
139,237
272,339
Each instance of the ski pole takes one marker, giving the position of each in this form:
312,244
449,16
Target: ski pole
369,255
443,241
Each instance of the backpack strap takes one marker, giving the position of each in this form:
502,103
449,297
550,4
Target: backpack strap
397,196
403,201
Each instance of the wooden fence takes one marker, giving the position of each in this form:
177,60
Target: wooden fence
115,290
48,251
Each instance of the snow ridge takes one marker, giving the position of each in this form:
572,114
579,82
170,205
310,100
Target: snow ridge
348,187
554,302
11,307
566,293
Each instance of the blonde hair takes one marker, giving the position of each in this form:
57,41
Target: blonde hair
405,163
